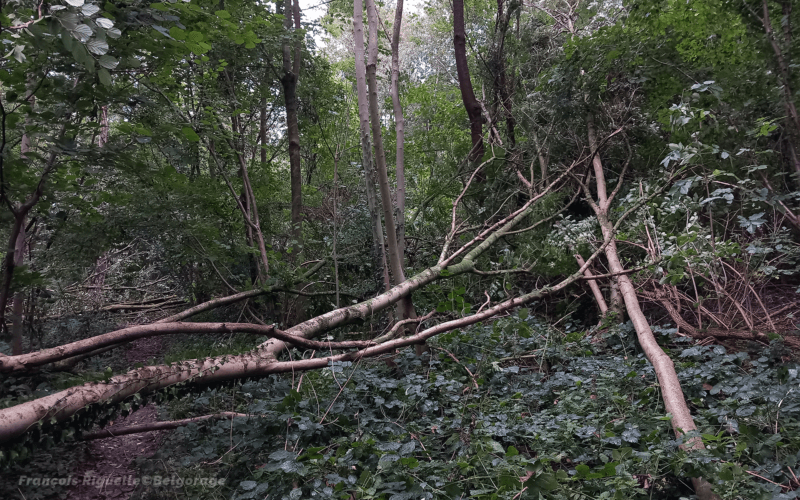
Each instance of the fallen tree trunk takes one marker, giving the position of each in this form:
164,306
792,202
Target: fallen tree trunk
68,363
671,392
24,362
17,420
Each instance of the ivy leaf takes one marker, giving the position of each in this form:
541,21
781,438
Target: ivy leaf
388,446
407,448
281,455
248,485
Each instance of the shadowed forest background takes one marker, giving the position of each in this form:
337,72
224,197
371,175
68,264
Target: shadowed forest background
485,249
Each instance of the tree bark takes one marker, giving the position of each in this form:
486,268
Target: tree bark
471,104
405,306
399,128
17,303
502,83
378,255
672,394
598,295
158,426
395,257
291,73
783,63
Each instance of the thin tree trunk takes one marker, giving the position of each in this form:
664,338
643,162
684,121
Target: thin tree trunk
378,255
405,306
471,104
17,303
102,139
781,58
399,128
262,131
291,73
598,295
615,300
672,394
380,156
335,202
18,300
542,159
248,200
501,81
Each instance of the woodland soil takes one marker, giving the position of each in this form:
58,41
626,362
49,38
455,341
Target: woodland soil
112,458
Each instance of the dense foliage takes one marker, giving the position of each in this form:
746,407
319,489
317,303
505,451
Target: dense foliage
161,156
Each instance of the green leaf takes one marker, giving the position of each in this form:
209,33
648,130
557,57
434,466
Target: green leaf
104,23
82,32
104,76
547,482
108,62
97,47
89,9
177,33
194,36
223,14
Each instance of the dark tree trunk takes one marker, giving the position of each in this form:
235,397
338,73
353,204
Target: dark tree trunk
291,71
471,104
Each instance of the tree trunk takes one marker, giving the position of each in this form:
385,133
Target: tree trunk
405,306
502,83
291,73
598,296
17,303
783,63
471,104
399,128
672,394
378,256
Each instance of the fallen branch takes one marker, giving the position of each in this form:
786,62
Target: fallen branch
157,426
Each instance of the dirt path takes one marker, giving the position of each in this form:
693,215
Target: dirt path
106,460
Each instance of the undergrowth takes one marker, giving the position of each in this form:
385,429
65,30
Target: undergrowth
510,410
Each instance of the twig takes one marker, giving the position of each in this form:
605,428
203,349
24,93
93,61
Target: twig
474,382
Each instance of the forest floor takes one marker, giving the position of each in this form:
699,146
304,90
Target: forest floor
106,460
